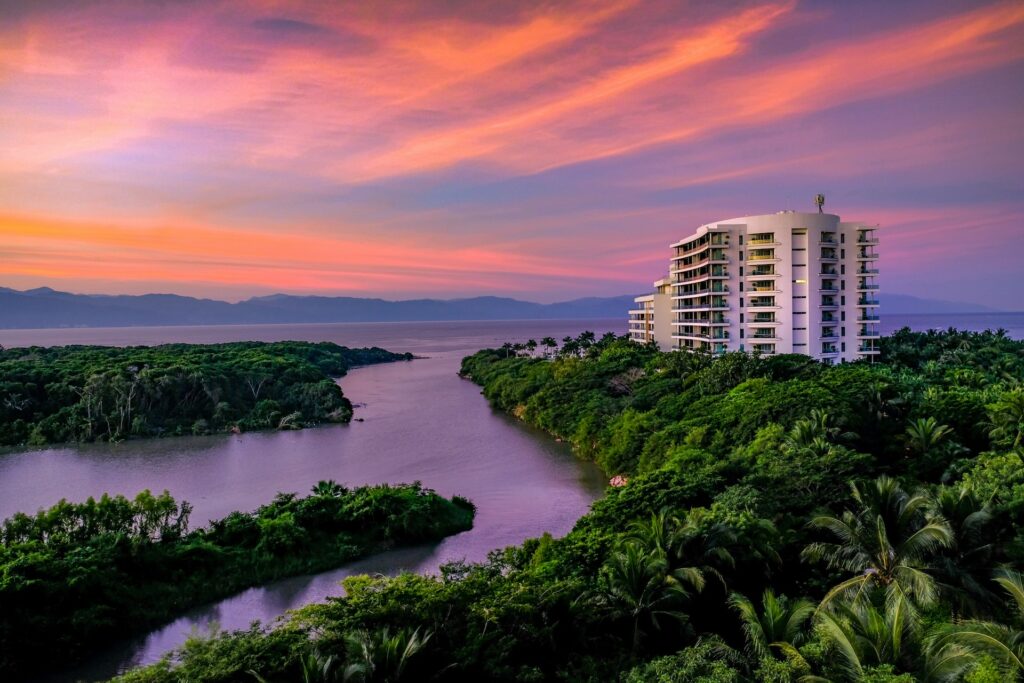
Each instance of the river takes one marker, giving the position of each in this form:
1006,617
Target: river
421,422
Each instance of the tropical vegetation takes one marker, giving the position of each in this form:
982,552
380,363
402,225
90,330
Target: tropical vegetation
779,520
99,393
78,574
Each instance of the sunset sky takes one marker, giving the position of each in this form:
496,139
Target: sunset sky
540,150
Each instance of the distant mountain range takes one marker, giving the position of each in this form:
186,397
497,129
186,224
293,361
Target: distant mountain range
47,308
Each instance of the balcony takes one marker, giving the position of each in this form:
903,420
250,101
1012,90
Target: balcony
763,348
829,335
713,306
865,333
867,256
829,349
867,318
867,302
762,304
828,270
870,350
867,271
755,274
866,288
830,288
764,289
764,243
867,240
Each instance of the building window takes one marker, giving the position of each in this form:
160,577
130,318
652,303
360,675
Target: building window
741,254
842,316
842,300
741,333
741,318
842,269
741,302
741,271
741,240
842,331
844,347
842,238
842,284
842,253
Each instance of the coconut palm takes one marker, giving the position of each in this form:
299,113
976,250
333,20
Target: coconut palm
887,542
780,622
865,634
1006,417
636,586
382,655
329,489
698,551
924,435
963,569
1004,643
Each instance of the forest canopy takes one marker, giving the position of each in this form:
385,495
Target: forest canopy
782,521
98,393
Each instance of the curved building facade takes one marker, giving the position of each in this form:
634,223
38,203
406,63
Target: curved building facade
788,282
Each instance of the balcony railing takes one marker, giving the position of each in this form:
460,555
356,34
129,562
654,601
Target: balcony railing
867,271
867,302
867,240
868,318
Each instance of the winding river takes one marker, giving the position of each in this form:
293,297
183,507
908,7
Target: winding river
419,422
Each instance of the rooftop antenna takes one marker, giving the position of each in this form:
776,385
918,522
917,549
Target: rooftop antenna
819,199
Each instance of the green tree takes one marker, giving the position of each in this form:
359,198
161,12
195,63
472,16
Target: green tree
779,624
887,542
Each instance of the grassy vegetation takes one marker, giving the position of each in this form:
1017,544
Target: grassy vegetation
783,521
76,575
98,393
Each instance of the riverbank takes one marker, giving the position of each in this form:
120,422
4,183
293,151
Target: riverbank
76,575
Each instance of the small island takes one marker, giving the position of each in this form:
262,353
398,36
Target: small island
101,393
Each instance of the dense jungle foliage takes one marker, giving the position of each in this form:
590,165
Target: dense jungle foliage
100,393
783,521
76,575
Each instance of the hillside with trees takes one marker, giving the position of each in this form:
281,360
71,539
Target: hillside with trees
99,393
781,520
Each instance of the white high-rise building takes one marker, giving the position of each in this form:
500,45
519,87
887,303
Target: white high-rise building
788,282
651,319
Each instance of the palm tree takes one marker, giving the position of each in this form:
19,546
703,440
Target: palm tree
329,489
924,435
863,635
1005,644
549,344
696,552
1006,417
637,587
780,624
382,655
887,543
963,570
